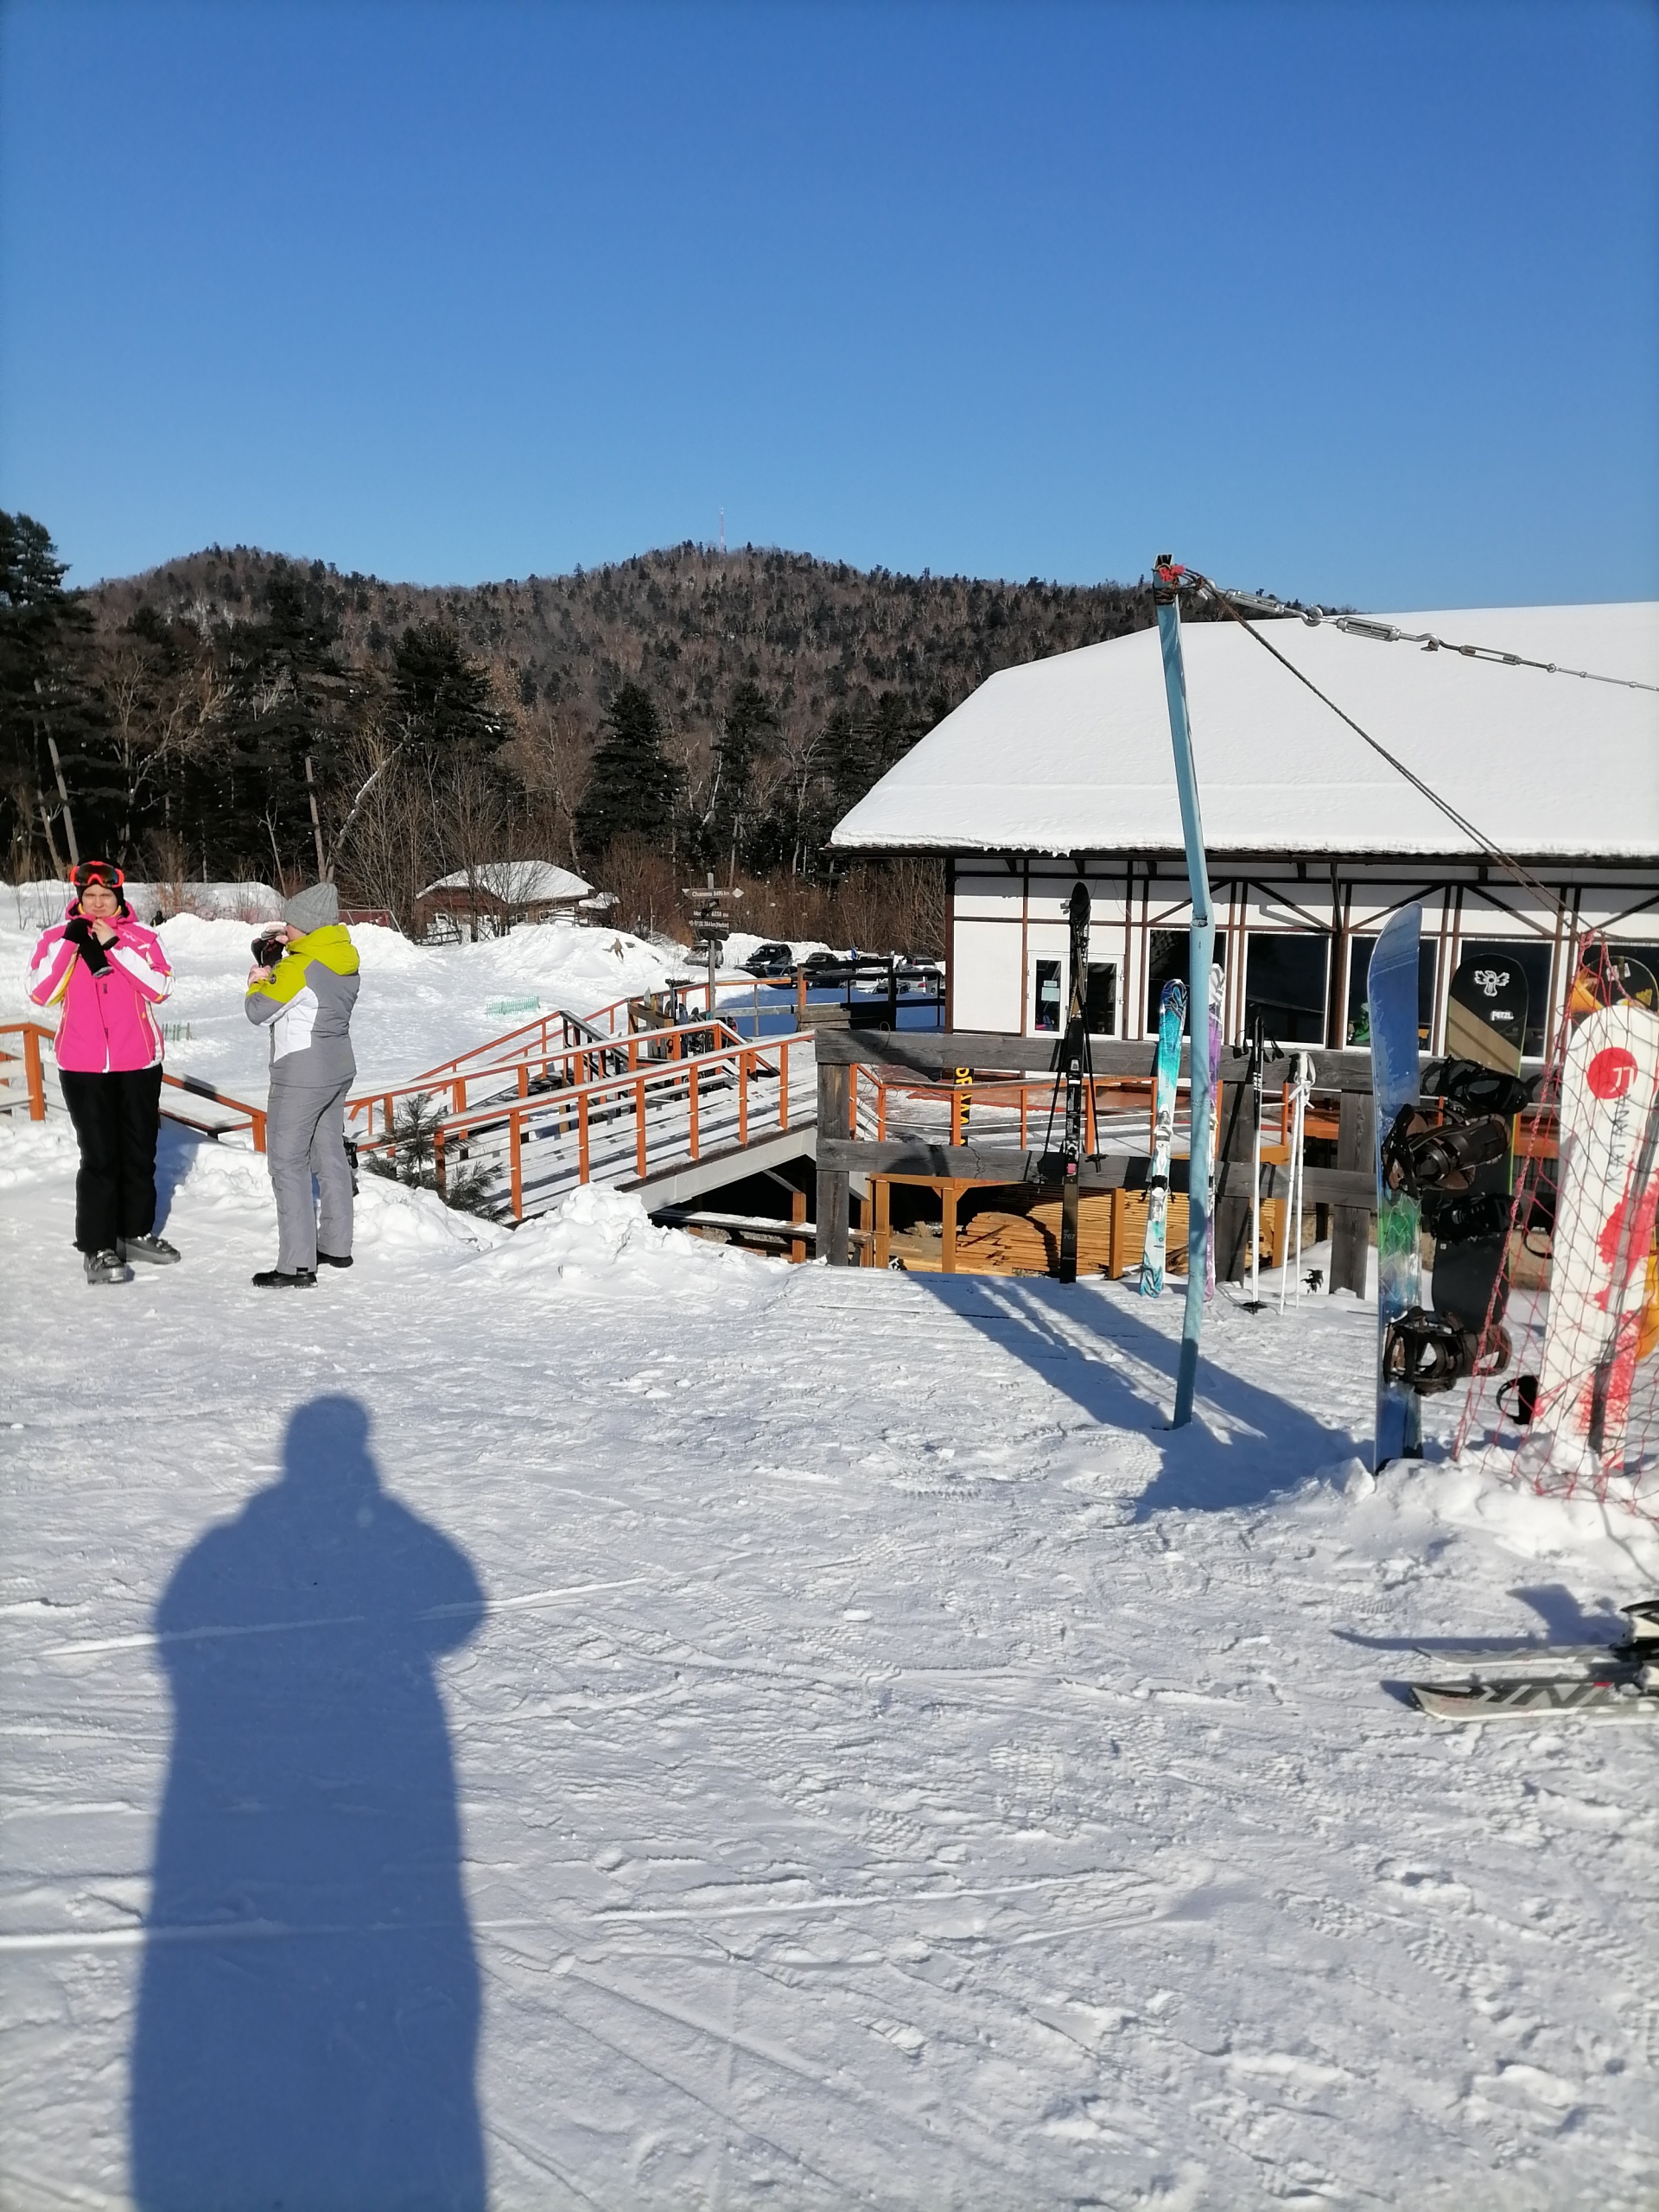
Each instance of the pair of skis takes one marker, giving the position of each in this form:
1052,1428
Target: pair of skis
1615,1682
1172,1021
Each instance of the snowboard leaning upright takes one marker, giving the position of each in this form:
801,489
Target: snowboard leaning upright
1392,990
1486,1028
1172,1021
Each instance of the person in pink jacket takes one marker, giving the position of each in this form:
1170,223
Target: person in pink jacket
104,973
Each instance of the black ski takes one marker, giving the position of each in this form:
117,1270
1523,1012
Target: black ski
1617,1681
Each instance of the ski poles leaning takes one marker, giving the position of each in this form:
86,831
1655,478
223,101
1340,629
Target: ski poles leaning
1302,1090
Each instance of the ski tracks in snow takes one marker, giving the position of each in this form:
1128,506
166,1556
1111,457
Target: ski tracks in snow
892,1768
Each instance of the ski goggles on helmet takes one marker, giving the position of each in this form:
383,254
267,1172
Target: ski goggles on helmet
86,873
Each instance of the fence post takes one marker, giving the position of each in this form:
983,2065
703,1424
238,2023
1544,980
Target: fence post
1350,1236
835,1190
256,1123
782,1088
582,1136
694,1154
743,1096
32,1069
798,1212
440,1165
639,1125
516,1155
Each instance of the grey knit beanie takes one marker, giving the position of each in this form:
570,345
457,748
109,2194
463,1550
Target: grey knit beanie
311,908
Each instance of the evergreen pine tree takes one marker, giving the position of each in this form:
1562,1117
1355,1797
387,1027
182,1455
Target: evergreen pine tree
47,692
633,788
744,736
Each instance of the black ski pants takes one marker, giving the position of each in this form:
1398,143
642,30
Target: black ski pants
116,1118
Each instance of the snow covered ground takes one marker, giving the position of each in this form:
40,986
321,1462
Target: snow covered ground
819,1732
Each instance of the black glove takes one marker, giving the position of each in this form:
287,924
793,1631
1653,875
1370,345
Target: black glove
80,934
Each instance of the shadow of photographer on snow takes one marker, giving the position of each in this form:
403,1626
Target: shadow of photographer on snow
307,2016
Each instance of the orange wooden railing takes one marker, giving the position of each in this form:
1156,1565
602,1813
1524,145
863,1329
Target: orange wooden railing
524,1055
32,1035
758,1072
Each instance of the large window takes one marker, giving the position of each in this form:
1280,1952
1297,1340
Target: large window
1284,982
1049,992
1358,1028
1168,958
1049,1011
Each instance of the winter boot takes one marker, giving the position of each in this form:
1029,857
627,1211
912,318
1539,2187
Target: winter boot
274,1279
107,1266
155,1250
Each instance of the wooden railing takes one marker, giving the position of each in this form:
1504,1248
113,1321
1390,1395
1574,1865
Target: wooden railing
20,1064
32,1036
525,1061
623,1126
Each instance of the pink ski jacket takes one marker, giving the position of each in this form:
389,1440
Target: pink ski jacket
105,1024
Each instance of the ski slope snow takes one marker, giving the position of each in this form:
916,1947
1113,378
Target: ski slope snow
589,1717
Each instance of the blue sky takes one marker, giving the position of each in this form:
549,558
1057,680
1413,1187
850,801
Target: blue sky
1353,301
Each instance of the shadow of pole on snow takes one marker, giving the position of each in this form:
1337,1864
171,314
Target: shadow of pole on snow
308,2004
1121,1371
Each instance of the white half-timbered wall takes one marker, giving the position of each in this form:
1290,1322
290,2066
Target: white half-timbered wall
1008,916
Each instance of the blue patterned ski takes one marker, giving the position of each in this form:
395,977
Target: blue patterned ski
1392,990
1172,1021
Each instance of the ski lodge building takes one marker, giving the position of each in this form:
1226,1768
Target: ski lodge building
1063,769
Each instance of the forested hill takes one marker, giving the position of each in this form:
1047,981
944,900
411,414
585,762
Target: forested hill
687,623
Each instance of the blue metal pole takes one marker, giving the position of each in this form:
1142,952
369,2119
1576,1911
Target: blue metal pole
1165,591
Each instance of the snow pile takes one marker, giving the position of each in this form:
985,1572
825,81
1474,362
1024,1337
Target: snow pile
603,1240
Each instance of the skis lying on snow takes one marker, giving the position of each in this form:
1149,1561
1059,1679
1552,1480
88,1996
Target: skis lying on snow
1172,1019
1617,1681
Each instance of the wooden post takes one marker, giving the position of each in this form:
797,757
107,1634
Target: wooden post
1350,1235
256,1123
440,1169
947,1230
798,1212
639,1125
882,1186
516,1157
834,1188
1232,1223
782,1088
36,1081
582,1136
743,1098
694,1151
866,1223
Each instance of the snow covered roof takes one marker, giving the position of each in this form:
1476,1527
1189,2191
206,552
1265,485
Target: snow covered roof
1072,753
518,883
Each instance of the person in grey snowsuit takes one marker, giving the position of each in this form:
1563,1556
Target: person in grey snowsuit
306,1001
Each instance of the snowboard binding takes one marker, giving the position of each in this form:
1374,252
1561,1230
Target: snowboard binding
1419,1155
1469,1090
1429,1354
1467,1218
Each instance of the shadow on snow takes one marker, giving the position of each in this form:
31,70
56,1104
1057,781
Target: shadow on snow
1121,1371
309,2006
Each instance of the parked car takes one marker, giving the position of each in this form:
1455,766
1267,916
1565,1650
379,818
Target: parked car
816,963
770,961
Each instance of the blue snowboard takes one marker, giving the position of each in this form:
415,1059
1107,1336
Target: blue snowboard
1392,990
